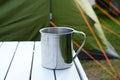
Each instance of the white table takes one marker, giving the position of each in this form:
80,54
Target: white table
21,61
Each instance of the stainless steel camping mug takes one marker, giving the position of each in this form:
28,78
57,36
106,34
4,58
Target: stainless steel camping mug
57,47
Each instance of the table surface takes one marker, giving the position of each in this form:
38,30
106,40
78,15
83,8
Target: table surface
21,61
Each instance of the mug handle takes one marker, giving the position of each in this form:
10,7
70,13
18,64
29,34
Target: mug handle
83,43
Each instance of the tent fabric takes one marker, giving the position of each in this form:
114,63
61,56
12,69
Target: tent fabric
22,19
69,16
96,54
65,13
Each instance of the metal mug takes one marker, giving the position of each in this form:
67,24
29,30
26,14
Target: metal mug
57,47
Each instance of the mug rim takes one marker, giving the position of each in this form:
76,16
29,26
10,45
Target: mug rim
61,33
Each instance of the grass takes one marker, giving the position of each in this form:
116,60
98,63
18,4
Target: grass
94,71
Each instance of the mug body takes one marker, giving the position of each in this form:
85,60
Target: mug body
56,47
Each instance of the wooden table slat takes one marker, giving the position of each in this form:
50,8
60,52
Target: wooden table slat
21,65
68,74
79,67
1,43
40,73
22,61
6,53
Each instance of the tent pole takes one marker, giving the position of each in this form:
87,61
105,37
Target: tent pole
51,10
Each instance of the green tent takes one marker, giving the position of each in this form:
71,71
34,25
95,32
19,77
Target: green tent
21,20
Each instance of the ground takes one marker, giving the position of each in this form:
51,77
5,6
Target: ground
95,72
